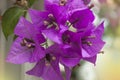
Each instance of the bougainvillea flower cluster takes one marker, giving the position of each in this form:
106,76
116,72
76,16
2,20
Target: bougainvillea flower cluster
63,33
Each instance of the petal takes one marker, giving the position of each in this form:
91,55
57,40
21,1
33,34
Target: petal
38,17
73,5
67,72
74,41
38,54
23,28
49,2
54,49
63,28
85,54
47,72
19,54
38,70
81,18
59,12
95,48
51,74
97,42
70,5
86,2
87,31
38,37
27,30
52,35
70,58
70,62
99,31
91,59
55,66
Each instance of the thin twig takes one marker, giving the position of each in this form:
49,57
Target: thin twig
0,17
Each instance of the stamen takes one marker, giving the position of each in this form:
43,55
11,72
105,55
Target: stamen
47,64
53,58
46,23
49,26
101,52
30,46
50,15
23,43
63,2
51,22
55,24
91,36
68,23
88,43
28,40
91,6
28,43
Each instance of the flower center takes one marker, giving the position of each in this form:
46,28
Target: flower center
66,39
50,22
48,59
85,41
63,2
28,43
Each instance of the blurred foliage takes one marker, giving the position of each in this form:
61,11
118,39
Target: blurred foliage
110,9
117,2
11,15
31,2
10,19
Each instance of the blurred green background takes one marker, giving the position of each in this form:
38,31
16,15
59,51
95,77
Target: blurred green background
108,64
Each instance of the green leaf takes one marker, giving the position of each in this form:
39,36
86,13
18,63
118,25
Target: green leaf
31,2
10,19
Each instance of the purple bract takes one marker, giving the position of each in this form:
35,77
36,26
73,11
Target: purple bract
63,33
